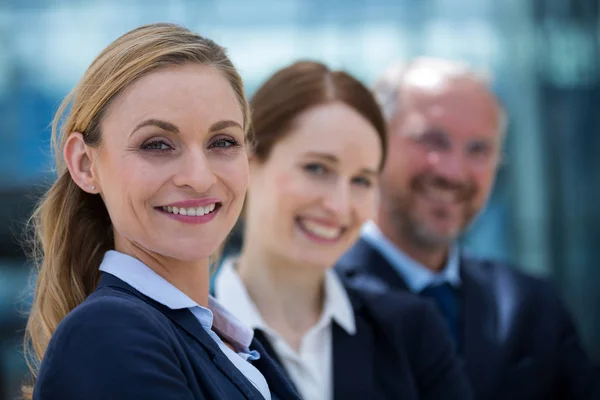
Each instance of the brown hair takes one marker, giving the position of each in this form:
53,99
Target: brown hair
72,229
299,87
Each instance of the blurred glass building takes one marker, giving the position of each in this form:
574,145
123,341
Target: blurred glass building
544,56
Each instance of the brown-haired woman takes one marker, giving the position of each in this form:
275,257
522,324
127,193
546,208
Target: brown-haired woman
152,174
320,142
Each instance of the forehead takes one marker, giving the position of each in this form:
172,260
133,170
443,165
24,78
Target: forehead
338,130
459,106
192,95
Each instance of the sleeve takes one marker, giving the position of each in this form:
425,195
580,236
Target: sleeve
438,371
111,350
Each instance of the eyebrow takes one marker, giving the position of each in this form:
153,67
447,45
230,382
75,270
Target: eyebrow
333,159
170,127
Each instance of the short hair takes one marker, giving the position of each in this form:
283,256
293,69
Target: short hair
388,88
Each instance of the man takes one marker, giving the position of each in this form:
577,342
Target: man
514,334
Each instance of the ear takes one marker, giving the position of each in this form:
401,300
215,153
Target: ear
78,157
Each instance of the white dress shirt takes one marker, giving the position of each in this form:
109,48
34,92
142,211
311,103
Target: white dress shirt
215,320
311,367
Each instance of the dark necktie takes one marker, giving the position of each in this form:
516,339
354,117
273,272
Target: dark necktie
446,299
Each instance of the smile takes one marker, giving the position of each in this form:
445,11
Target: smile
444,196
190,211
319,232
192,215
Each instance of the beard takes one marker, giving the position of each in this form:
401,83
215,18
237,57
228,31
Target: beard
414,221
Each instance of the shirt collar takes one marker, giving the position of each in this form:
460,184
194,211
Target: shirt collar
146,281
415,274
231,292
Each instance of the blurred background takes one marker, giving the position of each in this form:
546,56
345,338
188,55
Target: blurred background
544,56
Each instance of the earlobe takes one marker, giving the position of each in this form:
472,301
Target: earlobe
77,157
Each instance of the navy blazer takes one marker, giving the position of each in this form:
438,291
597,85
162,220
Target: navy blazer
121,345
401,350
518,340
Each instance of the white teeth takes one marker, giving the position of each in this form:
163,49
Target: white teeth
191,211
325,232
443,195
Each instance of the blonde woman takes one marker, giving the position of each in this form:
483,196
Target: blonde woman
152,172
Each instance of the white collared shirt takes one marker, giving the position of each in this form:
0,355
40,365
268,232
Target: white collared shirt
311,367
215,319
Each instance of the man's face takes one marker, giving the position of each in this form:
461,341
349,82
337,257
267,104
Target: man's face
445,144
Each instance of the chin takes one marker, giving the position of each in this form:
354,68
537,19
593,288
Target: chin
318,261
190,253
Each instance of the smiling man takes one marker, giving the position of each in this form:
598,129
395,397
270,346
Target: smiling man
445,131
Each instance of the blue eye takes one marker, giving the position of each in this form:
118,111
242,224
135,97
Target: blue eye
157,145
362,181
224,143
315,168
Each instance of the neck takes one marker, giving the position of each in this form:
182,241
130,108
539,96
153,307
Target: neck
288,296
191,277
433,257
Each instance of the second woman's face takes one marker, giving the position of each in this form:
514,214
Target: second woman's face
311,196
172,167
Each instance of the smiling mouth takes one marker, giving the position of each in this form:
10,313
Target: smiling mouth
319,232
191,211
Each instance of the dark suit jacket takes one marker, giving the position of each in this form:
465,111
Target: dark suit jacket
401,350
518,340
121,345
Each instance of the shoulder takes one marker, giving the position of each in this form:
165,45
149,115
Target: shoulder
110,308
107,321
397,311
109,337
509,280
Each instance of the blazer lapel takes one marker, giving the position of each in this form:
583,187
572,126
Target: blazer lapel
279,383
352,360
480,326
188,322
365,266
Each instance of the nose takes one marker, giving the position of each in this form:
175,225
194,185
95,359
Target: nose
337,200
449,165
194,171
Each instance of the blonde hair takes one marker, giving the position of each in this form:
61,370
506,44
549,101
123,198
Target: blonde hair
71,228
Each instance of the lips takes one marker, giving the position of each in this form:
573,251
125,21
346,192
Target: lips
320,231
191,211
443,191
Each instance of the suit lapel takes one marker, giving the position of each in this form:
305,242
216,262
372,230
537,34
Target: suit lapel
352,379
480,325
365,266
279,383
188,322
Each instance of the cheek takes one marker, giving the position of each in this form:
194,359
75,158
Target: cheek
289,186
365,206
484,182
234,174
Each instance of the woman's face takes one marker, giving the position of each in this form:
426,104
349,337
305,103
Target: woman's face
308,200
172,166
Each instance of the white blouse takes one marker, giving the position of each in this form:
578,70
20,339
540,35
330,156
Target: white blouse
311,367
